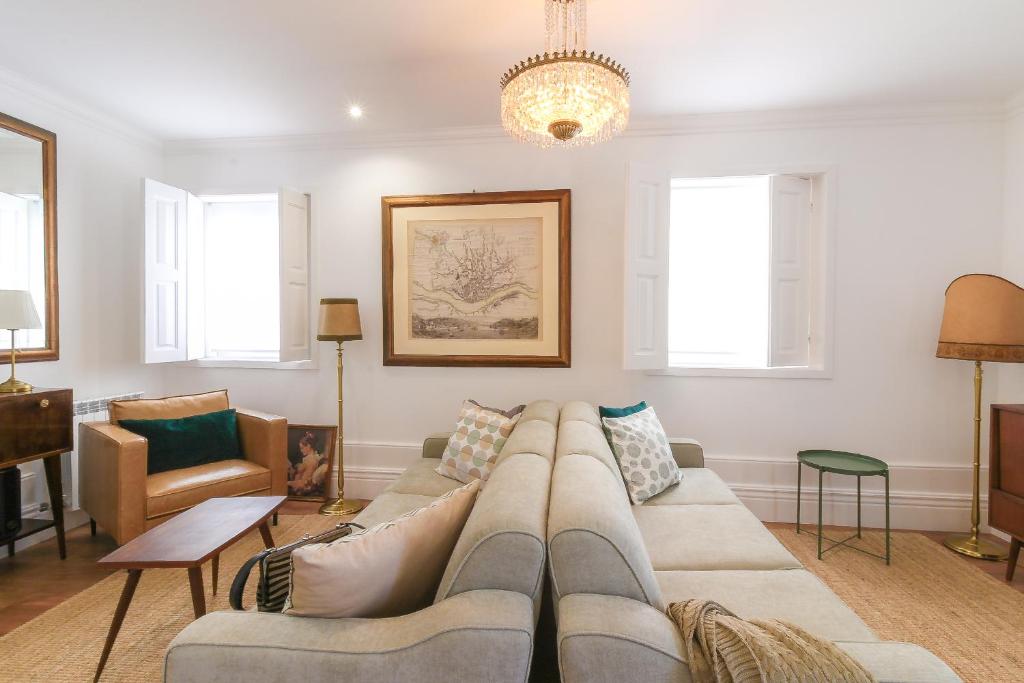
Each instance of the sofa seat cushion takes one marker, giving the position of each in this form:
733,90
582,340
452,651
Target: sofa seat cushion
891,662
700,486
389,505
177,490
422,479
709,537
793,595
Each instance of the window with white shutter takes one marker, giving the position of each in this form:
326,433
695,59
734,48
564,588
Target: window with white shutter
728,275
227,278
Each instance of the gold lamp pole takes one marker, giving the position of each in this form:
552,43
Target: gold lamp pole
983,320
17,312
339,322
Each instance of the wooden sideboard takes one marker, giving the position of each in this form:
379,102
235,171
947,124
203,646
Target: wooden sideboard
1006,477
38,425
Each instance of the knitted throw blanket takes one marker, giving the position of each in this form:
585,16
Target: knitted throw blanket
722,648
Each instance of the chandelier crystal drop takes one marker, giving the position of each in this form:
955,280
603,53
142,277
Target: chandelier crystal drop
567,96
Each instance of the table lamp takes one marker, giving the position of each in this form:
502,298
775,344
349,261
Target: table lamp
339,322
983,320
17,312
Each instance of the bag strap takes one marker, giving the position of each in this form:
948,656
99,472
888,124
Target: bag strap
238,585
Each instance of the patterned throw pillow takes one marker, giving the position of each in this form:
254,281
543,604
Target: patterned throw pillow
479,436
644,456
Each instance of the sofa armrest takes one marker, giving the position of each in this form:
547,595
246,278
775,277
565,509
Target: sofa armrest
497,626
434,445
687,452
892,662
607,638
112,464
264,440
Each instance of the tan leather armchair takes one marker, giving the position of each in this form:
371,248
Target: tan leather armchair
124,500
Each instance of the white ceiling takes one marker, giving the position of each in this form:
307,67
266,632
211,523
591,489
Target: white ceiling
227,68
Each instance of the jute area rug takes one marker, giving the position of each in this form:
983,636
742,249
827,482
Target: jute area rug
64,644
929,596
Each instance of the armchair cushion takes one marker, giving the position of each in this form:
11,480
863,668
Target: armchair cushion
188,441
177,490
168,408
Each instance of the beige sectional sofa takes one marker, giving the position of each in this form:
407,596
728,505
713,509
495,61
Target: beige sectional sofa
614,567
482,623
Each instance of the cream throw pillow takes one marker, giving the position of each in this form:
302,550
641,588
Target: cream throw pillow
391,569
642,451
479,436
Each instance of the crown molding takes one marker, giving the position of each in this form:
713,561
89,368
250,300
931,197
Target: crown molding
691,124
27,90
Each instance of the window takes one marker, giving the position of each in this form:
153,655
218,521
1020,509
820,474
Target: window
727,275
227,276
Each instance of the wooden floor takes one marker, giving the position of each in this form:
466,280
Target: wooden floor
34,580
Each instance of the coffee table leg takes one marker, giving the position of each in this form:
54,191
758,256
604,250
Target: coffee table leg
798,478
195,582
216,570
115,625
268,540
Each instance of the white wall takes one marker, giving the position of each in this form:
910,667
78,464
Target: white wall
919,202
1011,377
99,166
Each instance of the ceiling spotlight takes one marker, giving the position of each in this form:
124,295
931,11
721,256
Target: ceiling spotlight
355,111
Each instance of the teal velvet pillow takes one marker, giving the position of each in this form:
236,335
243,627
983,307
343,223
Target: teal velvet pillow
622,412
188,441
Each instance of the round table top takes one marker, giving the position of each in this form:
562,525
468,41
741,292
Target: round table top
842,462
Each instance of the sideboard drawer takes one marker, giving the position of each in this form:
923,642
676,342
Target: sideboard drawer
35,423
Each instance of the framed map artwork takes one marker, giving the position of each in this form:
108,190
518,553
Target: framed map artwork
477,279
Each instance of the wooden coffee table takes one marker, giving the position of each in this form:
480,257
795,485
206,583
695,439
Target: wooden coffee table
187,541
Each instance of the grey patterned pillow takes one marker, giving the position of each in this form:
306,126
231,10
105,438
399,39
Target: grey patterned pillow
644,456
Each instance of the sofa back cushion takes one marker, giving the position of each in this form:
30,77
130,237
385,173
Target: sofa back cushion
594,542
502,545
168,408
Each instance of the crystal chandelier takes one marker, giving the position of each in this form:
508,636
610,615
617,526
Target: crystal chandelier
567,96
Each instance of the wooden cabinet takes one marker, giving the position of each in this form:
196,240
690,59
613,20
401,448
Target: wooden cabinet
1006,477
38,425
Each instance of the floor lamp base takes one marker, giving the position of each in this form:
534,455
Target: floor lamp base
340,506
972,546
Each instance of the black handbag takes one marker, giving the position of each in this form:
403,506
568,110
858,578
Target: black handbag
275,567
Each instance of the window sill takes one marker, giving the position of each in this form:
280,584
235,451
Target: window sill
769,373
249,364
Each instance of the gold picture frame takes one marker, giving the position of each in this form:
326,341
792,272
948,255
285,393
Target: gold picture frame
310,458
478,279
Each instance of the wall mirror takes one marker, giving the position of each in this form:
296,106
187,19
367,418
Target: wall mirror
28,232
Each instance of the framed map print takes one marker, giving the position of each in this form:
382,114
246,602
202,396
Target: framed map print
477,279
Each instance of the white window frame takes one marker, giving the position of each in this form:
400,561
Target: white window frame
255,364
822,304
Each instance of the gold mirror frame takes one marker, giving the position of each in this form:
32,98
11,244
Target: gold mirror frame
51,351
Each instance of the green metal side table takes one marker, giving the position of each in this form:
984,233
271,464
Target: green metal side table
841,462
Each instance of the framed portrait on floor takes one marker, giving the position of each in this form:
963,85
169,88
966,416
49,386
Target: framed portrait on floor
477,279
310,459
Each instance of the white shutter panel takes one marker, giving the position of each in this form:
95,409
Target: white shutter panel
646,269
196,306
293,207
789,343
166,287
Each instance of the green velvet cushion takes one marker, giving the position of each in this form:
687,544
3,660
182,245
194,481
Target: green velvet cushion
622,412
188,441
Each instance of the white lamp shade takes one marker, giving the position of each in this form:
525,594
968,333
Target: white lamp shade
17,312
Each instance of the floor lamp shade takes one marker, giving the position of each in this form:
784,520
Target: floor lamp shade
339,320
983,320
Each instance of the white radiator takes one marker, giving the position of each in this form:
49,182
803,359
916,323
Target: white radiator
89,410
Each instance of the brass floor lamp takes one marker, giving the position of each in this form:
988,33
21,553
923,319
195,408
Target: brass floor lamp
983,320
339,322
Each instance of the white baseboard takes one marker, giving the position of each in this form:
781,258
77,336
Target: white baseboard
72,520
924,497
